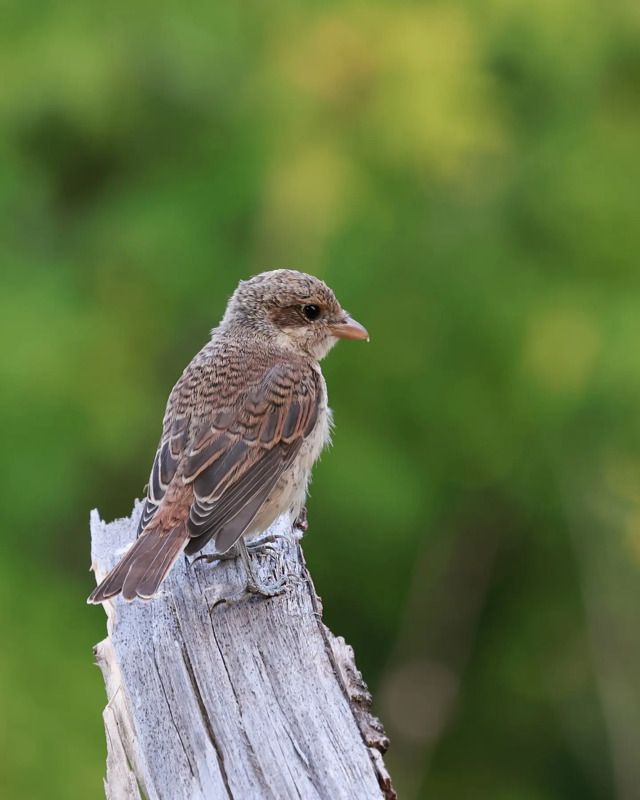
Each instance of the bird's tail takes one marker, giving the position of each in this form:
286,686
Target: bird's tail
143,568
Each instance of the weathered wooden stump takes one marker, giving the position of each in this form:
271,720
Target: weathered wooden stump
215,693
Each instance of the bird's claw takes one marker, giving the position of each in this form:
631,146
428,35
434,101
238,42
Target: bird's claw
256,586
269,539
263,549
210,558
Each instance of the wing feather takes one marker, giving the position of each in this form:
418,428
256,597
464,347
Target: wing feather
246,460
165,465
236,452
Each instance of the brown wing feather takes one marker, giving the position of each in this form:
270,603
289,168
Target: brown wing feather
228,517
234,469
165,464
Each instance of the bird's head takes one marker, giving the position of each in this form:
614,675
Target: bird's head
293,310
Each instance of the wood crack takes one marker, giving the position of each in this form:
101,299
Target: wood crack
206,720
173,721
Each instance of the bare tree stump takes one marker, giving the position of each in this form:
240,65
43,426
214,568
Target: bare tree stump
215,693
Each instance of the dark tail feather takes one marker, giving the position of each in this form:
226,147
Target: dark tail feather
144,567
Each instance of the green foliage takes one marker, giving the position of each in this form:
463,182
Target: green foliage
465,176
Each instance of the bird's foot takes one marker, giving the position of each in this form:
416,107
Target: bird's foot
265,544
210,558
255,584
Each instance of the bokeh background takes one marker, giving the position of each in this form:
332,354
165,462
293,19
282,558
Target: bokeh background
465,175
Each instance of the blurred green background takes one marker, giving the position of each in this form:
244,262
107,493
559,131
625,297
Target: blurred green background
465,176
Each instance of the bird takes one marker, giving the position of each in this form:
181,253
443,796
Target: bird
242,429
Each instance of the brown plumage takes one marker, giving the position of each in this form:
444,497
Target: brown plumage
243,426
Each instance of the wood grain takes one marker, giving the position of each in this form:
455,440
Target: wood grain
215,693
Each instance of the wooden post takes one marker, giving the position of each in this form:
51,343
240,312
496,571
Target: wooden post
215,693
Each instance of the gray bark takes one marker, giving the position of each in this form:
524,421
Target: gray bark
215,693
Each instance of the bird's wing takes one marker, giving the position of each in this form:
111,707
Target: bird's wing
241,450
231,455
170,451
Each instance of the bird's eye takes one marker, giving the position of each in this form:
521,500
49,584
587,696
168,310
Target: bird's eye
311,312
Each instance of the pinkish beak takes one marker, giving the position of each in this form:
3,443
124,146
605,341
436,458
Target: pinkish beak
348,328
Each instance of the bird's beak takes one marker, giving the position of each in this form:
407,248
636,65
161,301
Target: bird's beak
348,328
